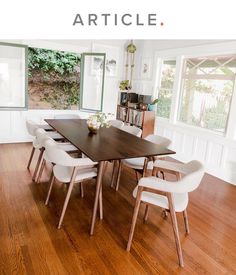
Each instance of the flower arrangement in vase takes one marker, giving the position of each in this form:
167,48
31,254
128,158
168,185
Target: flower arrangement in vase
98,120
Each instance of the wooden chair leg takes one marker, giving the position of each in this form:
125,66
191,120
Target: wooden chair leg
38,164
146,213
134,219
100,204
186,221
175,229
165,213
163,175
118,176
31,157
52,179
67,197
105,166
41,171
81,189
145,167
137,176
113,173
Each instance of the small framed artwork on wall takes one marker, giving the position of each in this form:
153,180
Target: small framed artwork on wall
112,58
146,68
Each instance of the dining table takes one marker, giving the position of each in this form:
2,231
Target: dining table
108,144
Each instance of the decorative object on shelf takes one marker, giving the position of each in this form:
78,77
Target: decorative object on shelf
152,106
98,120
143,106
132,97
123,98
147,99
124,85
129,66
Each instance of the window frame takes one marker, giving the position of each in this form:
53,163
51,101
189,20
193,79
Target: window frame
157,89
211,49
25,107
178,121
83,55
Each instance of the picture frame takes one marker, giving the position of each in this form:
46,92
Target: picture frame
146,64
112,59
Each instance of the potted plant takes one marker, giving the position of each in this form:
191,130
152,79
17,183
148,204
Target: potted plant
98,120
124,85
152,106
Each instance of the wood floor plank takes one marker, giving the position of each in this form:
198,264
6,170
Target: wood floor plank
31,243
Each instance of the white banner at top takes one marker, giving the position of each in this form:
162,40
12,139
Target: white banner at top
151,19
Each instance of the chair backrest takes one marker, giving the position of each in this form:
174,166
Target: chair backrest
55,154
163,141
31,127
116,123
41,137
194,172
132,130
67,116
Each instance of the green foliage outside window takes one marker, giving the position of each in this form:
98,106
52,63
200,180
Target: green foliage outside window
166,89
54,79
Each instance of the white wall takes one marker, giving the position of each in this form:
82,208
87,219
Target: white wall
12,126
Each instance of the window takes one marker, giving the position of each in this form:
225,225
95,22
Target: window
207,89
166,88
54,79
13,76
92,81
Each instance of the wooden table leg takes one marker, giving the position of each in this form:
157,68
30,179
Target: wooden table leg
113,172
98,188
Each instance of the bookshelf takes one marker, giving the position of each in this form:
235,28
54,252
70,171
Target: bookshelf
142,119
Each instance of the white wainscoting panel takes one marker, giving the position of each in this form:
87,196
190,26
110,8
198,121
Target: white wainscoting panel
216,152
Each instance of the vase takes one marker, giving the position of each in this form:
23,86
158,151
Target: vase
93,130
93,127
151,107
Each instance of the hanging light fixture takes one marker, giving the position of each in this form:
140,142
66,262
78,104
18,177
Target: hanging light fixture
130,53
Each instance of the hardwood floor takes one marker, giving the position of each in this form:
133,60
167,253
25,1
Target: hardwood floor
30,242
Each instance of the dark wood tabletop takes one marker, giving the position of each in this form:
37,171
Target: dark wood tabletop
108,144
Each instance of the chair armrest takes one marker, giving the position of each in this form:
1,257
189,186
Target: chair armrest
169,166
81,162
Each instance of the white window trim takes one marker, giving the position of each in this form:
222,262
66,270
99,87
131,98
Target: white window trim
157,81
180,54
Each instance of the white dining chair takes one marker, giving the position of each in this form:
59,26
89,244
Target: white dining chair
116,123
69,170
141,165
41,137
67,116
31,127
133,130
172,196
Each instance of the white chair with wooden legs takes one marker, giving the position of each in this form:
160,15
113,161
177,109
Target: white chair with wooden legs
69,170
67,116
116,123
133,130
31,128
141,165
172,196
41,137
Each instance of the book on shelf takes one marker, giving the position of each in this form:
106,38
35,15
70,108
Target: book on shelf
122,113
135,117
